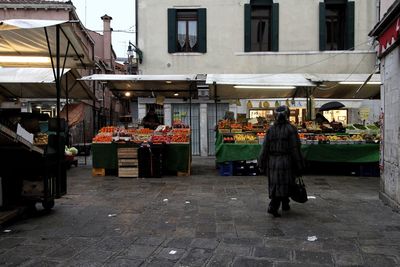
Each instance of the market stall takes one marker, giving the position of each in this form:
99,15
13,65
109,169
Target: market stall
169,147
359,145
56,47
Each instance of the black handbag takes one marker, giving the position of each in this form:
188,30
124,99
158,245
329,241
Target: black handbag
298,191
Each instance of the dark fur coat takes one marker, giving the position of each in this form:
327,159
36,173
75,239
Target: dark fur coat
281,159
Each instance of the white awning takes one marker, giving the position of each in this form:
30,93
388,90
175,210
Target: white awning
346,86
40,83
257,85
145,85
253,86
23,43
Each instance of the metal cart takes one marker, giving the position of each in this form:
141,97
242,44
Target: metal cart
30,173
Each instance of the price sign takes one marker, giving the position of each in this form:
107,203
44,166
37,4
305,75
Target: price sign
364,113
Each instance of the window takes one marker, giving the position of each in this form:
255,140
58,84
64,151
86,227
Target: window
261,18
260,28
187,30
336,25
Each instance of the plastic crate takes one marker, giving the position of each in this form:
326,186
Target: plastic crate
226,168
369,171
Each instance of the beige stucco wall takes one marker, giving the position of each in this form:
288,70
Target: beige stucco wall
384,6
298,41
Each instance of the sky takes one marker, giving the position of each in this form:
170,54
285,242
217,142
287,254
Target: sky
123,22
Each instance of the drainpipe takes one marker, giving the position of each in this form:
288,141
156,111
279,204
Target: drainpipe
136,22
378,10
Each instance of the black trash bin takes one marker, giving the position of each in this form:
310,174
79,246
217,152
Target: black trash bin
150,161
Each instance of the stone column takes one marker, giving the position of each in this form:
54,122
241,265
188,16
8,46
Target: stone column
167,114
203,130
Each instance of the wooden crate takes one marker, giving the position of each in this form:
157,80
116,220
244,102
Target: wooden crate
127,153
128,172
98,172
128,162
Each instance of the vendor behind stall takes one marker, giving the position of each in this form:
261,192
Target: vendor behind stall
320,119
151,120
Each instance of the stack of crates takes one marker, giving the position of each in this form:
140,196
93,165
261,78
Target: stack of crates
226,168
239,168
128,162
245,168
252,168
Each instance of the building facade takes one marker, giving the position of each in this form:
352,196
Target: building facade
387,34
313,37
260,36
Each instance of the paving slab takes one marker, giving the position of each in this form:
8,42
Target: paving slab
205,220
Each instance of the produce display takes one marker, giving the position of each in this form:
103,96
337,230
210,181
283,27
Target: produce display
41,139
310,138
103,138
163,134
241,138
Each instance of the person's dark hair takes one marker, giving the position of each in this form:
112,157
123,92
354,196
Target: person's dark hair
152,109
282,114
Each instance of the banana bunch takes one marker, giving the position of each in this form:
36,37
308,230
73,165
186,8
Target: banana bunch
240,137
333,138
250,137
357,137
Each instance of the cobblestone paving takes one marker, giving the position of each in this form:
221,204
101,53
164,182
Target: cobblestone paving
205,220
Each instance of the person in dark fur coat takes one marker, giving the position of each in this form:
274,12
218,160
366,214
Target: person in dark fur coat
281,160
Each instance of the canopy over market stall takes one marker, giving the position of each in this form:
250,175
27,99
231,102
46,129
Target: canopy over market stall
335,86
40,83
39,43
145,85
227,86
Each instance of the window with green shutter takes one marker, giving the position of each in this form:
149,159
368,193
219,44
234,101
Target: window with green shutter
336,25
261,26
187,30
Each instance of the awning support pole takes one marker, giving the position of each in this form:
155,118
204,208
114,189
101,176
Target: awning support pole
69,42
190,105
216,104
60,152
67,110
308,101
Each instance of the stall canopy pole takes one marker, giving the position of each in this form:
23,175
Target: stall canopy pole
215,100
190,105
67,110
58,88
308,102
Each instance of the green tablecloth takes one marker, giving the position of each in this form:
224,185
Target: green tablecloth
176,157
104,156
360,153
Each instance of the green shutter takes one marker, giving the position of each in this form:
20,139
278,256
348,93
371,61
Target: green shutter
275,28
322,27
202,30
349,38
261,2
171,30
247,28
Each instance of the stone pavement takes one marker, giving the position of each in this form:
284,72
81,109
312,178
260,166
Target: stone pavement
205,220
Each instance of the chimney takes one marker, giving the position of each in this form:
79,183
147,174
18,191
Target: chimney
107,39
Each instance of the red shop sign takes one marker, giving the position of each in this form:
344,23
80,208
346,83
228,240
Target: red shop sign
389,37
